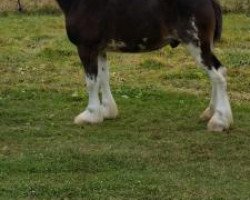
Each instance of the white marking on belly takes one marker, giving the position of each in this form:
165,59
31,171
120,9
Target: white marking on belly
116,44
142,46
145,40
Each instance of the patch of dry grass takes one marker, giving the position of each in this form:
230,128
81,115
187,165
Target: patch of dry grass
236,5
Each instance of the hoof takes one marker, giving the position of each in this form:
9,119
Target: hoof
88,117
216,127
109,111
217,124
206,115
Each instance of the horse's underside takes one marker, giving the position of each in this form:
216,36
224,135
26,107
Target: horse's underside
98,26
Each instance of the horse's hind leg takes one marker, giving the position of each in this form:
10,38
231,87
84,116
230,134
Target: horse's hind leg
222,117
93,112
108,106
218,112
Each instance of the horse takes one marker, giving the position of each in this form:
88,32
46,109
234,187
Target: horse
96,27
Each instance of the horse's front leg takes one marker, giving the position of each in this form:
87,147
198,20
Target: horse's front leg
109,107
93,113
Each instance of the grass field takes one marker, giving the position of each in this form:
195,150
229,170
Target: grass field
157,149
49,6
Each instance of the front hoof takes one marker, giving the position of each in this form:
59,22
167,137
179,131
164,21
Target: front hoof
88,117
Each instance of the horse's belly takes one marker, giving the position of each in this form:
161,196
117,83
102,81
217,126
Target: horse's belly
140,37
138,45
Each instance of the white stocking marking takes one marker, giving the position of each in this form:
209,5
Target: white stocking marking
219,109
93,113
109,107
222,118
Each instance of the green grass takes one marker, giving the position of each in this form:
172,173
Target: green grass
156,149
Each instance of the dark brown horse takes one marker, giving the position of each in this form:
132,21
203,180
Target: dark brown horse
98,26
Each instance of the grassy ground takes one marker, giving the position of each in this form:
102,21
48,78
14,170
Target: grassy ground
49,6
157,149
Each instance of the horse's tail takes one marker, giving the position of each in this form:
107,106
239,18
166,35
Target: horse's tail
218,17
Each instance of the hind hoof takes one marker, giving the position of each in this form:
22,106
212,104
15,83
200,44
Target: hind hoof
88,117
217,124
207,115
109,111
